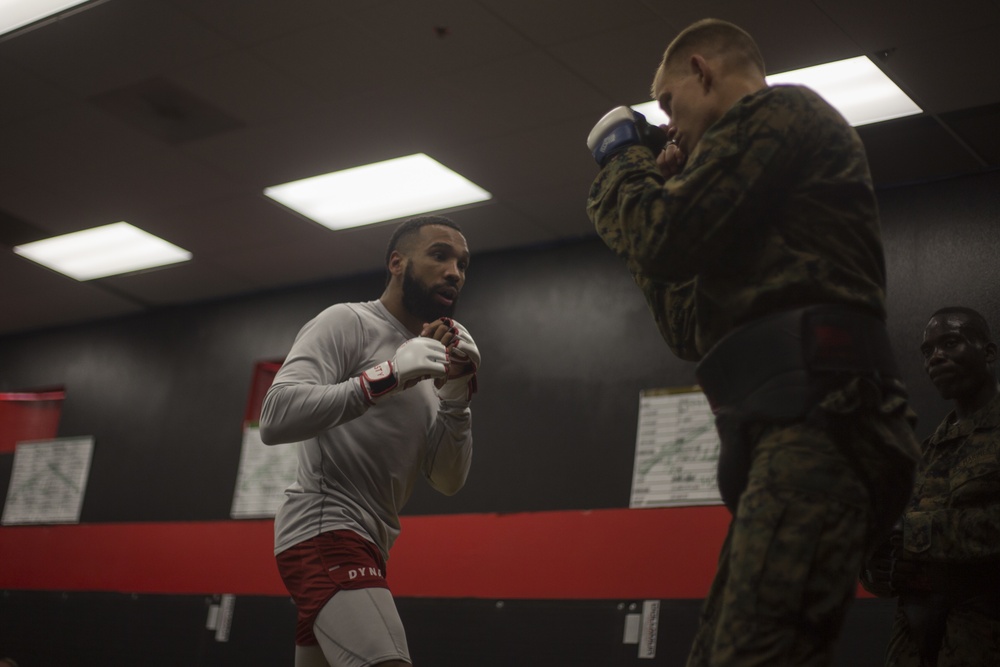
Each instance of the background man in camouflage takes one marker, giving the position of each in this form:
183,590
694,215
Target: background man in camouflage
943,559
754,237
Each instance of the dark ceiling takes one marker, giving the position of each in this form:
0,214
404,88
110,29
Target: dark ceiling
174,115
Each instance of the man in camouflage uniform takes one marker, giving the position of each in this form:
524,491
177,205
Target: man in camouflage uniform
943,558
761,212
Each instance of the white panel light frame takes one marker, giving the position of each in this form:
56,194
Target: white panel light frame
378,192
856,87
103,251
16,14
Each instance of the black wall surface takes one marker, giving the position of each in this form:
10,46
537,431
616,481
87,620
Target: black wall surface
567,346
114,629
942,245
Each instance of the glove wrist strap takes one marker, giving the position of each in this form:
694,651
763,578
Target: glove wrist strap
379,380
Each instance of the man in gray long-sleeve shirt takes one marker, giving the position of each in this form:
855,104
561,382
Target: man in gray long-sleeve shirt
377,393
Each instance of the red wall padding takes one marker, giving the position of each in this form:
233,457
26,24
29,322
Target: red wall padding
601,554
28,416
263,377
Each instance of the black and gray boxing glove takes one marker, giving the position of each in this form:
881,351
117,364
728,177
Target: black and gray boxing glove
620,128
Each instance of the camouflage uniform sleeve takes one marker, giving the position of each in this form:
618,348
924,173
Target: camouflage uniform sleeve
671,229
672,306
670,303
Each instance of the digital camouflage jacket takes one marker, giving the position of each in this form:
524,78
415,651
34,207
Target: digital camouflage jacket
953,519
774,210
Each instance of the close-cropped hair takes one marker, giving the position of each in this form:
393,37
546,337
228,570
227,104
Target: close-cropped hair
710,38
975,324
412,226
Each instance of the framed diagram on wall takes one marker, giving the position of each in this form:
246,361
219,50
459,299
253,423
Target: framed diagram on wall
264,472
48,481
262,477
676,450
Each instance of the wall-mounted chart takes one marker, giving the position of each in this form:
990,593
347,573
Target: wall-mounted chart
676,450
48,481
262,477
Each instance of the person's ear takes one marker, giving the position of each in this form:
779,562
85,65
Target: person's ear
703,70
990,352
397,263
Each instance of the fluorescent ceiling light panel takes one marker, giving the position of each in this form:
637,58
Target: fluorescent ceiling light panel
103,251
377,192
858,89
16,14
653,113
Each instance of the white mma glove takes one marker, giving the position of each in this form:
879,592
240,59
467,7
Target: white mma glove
463,362
415,360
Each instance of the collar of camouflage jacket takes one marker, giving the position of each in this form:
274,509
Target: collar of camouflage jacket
985,419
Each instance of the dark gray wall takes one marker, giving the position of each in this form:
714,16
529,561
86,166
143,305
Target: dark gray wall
567,345
942,245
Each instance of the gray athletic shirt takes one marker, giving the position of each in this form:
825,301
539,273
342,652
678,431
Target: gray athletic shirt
358,463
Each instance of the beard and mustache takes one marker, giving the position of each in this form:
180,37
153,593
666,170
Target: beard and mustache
419,299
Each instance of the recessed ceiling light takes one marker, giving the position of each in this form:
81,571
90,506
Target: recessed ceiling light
16,14
103,251
858,89
377,192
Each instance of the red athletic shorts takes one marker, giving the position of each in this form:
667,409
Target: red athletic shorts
317,568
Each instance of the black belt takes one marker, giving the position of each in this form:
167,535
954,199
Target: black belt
774,362
776,370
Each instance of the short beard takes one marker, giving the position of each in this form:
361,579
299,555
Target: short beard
419,300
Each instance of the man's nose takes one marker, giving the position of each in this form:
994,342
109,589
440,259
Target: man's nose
452,272
936,356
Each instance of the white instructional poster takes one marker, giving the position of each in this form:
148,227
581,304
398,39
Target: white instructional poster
48,481
263,475
676,450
